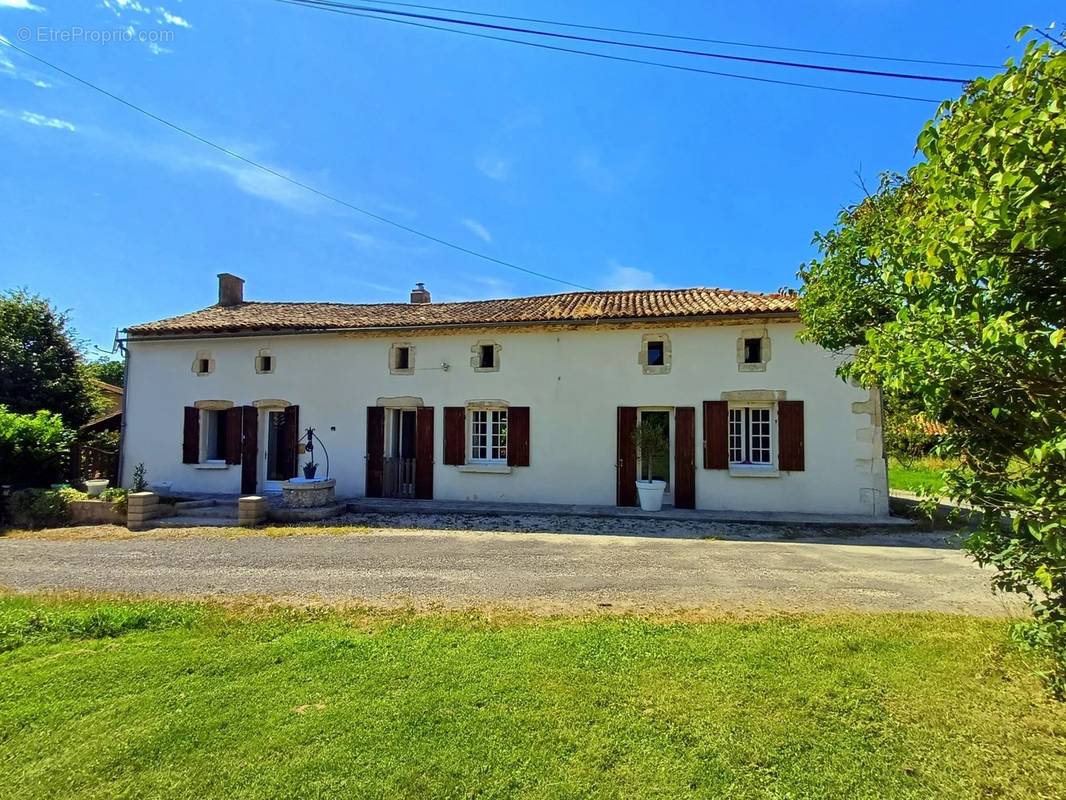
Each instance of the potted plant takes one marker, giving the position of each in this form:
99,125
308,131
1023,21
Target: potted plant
652,443
309,470
95,485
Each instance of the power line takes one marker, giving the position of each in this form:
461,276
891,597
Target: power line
252,163
636,45
609,57
679,37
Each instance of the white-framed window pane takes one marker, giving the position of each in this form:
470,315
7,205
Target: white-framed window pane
736,435
760,436
488,435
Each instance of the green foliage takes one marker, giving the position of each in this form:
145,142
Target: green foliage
40,360
108,370
34,448
117,496
652,443
951,283
140,480
313,704
41,508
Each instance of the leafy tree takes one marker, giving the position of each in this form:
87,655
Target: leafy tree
34,448
108,370
40,361
948,287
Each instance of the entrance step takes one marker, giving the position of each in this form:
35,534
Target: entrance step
212,509
192,521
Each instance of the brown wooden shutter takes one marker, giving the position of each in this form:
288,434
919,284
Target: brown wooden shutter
518,436
289,442
455,435
190,442
375,451
249,449
424,453
626,468
685,457
234,416
715,434
790,435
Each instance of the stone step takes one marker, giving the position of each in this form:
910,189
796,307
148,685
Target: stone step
184,505
214,510
190,521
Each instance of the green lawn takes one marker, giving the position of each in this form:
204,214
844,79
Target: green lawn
917,475
108,700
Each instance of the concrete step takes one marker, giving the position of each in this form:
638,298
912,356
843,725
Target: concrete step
184,505
214,510
191,521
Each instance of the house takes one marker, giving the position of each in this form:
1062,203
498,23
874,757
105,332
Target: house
530,399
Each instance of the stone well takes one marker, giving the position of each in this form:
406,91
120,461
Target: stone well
309,493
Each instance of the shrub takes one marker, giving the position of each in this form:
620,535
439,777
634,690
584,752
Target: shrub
41,508
140,481
118,498
34,448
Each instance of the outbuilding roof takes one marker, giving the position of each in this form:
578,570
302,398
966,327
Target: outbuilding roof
641,304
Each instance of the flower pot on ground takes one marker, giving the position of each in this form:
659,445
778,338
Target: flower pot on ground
652,443
310,470
94,486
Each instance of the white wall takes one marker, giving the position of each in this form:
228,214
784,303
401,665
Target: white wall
573,382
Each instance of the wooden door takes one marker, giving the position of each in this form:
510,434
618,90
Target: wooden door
375,450
626,468
685,457
424,453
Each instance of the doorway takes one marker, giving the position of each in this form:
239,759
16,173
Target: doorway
273,438
661,465
398,479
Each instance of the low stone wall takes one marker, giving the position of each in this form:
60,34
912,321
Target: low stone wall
94,512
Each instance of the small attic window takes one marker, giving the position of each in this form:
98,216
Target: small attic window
656,353
753,351
403,358
203,364
264,363
204,367
487,356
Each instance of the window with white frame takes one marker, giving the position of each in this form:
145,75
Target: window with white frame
488,436
751,435
213,437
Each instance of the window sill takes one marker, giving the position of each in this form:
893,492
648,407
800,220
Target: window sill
744,471
486,469
211,465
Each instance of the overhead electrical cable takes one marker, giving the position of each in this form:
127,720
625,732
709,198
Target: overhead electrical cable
610,57
637,45
680,37
282,176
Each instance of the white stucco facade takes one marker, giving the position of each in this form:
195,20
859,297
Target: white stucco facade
573,380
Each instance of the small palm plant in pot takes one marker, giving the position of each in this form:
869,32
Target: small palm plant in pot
652,444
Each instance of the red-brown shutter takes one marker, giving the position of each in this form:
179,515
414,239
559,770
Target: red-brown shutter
190,442
233,435
375,451
626,468
715,434
790,435
249,449
289,442
455,435
685,457
424,453
518,436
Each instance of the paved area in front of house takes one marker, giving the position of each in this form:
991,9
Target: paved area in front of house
542,572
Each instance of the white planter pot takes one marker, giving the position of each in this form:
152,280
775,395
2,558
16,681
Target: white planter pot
651,494
94,486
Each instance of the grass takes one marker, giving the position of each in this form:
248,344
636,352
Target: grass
917,475
106,699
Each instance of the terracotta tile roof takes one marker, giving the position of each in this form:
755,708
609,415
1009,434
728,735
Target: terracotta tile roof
570,307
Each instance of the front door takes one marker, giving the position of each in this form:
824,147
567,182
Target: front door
659,469
399,472
273,438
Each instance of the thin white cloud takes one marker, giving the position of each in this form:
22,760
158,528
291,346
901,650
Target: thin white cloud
623,277
158,50
476,228
38,120
21,5
494,166
173,19
9,70
118,6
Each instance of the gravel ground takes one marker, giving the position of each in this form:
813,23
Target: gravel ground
555,566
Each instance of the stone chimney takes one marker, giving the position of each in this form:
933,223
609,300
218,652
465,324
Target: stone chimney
230,289
420,294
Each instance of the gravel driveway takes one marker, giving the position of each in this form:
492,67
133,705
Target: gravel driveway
533,571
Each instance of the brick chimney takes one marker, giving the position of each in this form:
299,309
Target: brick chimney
420,294
230,289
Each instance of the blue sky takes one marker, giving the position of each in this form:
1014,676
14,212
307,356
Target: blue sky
606,174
